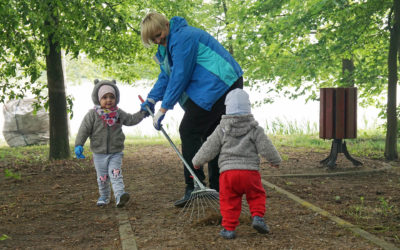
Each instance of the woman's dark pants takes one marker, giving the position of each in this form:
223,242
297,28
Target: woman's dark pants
196,125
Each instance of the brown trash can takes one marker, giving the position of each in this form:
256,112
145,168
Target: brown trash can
338,121
338,113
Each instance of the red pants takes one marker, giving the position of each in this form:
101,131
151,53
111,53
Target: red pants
233,184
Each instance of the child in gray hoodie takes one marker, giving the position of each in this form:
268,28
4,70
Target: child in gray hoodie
239,140
103,125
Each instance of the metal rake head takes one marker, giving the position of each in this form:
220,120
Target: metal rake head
203,203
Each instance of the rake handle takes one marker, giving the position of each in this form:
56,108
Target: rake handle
176,149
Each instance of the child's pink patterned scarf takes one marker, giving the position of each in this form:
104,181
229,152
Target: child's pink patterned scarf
109,116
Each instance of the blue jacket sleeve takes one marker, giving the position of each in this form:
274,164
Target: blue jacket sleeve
183,53
158,90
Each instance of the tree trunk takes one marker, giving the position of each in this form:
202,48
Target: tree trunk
59,141
391,133
348,72
230,46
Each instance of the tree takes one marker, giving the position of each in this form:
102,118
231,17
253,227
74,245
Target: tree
391,134
59,145
297,47
33,32
303,45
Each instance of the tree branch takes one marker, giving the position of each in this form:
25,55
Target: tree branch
121,18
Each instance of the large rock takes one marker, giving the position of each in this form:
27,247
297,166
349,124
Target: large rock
22,127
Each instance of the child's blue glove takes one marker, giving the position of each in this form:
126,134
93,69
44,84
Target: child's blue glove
149,103
157,119
78,152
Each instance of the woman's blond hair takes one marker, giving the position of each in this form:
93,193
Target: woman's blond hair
151,24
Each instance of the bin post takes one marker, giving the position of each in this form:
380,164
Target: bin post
338,121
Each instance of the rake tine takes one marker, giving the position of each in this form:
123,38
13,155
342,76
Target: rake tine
200,205
212,202
193,205
186,208
199,201
189,210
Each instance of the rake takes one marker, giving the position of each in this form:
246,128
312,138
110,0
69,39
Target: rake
203,201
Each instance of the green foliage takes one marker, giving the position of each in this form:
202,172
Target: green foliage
290,48
106,32
301,44
10,174
279,44
4,237
385,207
80,68
35,32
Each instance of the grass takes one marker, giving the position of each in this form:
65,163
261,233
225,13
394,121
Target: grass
149,140
369,142
382,208
19,155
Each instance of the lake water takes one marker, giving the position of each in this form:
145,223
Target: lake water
284,110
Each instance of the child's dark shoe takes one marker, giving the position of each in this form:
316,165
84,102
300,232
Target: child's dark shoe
227,234
259,225
122,200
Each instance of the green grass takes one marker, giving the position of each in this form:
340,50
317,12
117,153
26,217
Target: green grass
365,145
149,140
286,127
19,155
369,142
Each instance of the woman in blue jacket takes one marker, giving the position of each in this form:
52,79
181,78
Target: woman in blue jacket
196,71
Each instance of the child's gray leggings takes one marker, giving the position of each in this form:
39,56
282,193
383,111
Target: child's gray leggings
108,168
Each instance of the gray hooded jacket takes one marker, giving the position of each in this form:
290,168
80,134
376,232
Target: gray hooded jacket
239,141
103,138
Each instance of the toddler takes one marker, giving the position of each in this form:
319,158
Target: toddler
239,140
103,125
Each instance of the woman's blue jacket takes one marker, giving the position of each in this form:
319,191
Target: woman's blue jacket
193,64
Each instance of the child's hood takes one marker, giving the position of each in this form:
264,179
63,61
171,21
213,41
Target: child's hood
97,86
238,125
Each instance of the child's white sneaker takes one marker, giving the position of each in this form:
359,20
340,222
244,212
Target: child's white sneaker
102,201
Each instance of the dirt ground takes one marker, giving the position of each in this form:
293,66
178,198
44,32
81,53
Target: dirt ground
53,206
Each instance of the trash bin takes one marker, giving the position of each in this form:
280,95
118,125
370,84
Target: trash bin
338,121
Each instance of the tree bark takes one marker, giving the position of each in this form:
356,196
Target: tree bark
348,72
59,141
230,46
391,133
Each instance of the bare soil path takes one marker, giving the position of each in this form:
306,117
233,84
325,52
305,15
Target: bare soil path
53,205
